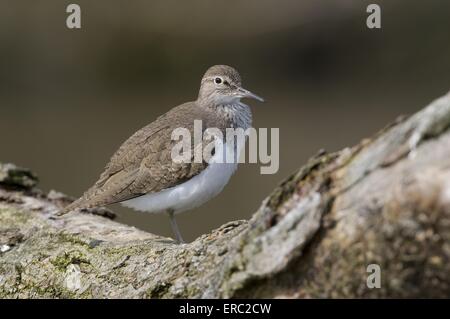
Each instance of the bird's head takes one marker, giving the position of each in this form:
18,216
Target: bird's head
221,85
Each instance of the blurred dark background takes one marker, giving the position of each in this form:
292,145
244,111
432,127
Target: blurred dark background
69,98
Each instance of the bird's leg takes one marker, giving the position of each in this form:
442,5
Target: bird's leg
174,225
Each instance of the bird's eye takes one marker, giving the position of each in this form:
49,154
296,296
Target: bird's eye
218,80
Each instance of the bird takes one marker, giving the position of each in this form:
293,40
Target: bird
142,174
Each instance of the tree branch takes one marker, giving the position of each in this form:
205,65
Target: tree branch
385,201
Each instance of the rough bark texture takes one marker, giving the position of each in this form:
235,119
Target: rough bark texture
385,201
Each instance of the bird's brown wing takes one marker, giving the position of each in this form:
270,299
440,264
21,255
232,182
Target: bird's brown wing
142,165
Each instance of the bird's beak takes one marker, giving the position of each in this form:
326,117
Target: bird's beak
241,92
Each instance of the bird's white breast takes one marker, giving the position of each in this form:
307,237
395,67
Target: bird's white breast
192,193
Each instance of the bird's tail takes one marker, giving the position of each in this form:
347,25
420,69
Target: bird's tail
78,204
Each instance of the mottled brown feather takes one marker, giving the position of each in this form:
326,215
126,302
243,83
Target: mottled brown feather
143,163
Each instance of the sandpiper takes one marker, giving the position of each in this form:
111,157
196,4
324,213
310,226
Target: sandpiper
142,174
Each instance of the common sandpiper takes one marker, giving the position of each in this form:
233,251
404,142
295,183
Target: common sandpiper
142,174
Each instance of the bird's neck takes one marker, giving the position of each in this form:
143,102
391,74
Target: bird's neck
236,113
239,113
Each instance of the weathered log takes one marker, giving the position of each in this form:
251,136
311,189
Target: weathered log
385,201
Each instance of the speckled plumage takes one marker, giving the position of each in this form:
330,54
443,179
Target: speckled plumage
143,164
